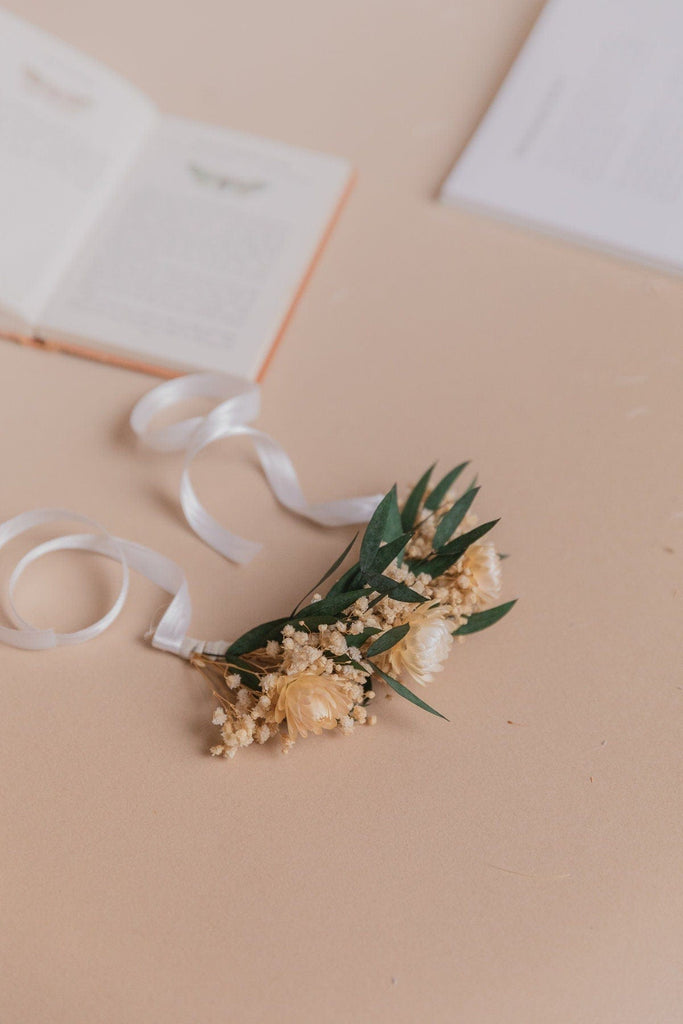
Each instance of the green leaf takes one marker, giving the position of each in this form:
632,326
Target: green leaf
439,492
412,502
450,522
257,637
393,527
403,691
374,533
482,620
347,579
333,604
387,640
388,552
335,565
402,592
438,564
358,639
311,622
460,544
396,591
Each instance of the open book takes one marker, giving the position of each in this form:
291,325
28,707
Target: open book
585,137
143,239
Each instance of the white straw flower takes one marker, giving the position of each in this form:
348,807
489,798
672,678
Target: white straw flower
310,702
424,649
482,564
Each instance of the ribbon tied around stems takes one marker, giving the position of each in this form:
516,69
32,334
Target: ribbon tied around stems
238,404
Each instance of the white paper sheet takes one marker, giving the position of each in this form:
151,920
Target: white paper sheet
585,137
198,259
69,128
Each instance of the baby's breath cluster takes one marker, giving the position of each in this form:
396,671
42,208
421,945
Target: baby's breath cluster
307,682
424,576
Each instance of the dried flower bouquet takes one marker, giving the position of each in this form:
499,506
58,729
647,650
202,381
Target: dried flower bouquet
424,576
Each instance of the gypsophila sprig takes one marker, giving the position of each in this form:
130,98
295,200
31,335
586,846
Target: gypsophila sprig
425,576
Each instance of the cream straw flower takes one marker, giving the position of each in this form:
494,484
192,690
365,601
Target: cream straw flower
310,702
482,564
425,647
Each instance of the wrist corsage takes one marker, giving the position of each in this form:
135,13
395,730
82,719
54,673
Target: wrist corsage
423,578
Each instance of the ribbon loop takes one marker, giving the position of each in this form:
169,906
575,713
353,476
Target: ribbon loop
238,405
170,634
28,636
239,402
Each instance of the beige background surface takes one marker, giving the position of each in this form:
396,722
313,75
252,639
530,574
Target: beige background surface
475,872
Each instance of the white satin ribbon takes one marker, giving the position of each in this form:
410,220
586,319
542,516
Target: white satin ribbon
170,634
239,403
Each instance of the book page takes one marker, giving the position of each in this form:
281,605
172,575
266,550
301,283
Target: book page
585,137
68,128
199,259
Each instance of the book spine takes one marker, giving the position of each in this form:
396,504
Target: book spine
108,358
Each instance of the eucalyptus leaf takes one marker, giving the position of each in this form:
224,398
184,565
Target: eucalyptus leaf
393,526
439,492
358,639
311,622
450,522
384,585
412,502
389,552
344,582
403,691
482,620
333,604
374,533
440,563
387,640
335,565
402,592
257,637
460,544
